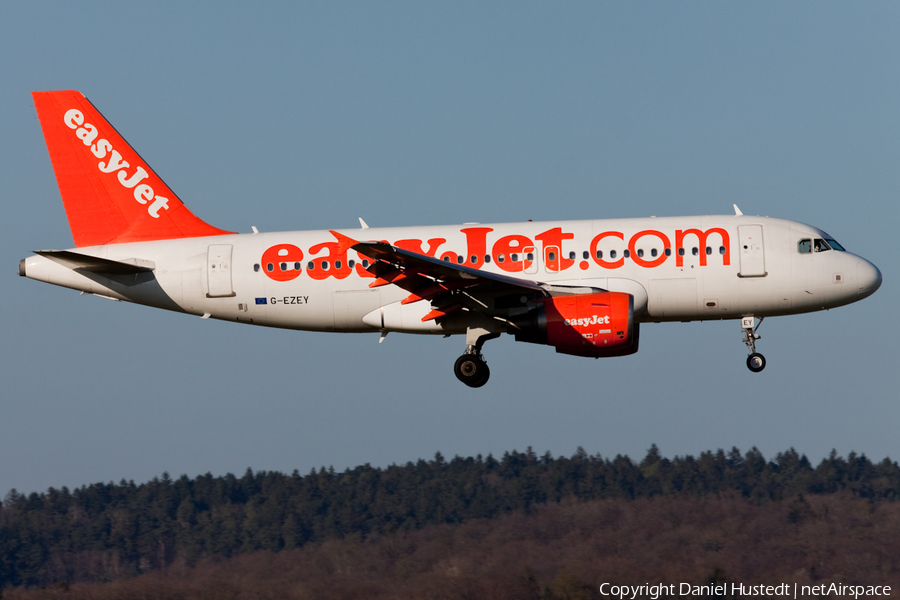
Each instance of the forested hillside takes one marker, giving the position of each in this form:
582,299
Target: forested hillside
105,532
559,551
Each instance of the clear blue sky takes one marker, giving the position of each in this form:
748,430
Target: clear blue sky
306,116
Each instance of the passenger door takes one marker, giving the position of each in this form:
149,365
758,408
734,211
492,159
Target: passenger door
218,271
753,258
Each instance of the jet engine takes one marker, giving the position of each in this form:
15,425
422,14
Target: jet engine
595,325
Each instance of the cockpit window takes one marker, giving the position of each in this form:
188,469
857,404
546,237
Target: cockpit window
821,245
805,246
834,245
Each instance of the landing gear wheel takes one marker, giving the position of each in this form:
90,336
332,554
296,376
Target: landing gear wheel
472,370
756,362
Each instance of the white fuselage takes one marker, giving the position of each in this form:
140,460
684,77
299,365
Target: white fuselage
716,267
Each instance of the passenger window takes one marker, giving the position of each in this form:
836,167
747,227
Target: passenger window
599,253
821,245
722,250
270,267
551,256
365,264
256,268
695,251
640,253
653,252
626,253
350,263
473,259
529,256
500,258
337,264
572,256
296,266
668,252
805,246
612,253
585,255
708,250
681,252
487,258
514,257
324,265
459,260
310,266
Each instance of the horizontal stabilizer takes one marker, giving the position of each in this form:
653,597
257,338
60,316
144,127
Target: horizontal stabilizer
93,264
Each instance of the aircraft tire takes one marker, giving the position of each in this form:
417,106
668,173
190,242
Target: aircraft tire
756,362
471,370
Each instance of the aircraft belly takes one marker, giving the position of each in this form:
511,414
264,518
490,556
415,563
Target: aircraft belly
191,272
673,299
410,318
351,306
171,283
144,288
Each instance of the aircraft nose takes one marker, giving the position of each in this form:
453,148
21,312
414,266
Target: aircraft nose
868,276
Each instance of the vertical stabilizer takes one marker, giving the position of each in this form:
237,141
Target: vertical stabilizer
110,194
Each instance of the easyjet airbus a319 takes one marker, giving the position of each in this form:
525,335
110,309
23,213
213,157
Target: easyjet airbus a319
582,287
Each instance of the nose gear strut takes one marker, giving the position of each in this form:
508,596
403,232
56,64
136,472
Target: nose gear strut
756,362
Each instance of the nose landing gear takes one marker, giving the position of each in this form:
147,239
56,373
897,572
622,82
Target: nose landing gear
471,368
756,362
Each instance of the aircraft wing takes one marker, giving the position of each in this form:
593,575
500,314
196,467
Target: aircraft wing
444,271
447,285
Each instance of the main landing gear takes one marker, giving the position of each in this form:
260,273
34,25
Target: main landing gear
471,368
756,362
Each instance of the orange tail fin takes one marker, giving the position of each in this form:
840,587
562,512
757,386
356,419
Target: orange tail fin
111,195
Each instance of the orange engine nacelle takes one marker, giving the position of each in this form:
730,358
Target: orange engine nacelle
600,324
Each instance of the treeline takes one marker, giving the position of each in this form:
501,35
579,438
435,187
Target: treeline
104,532
559,551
